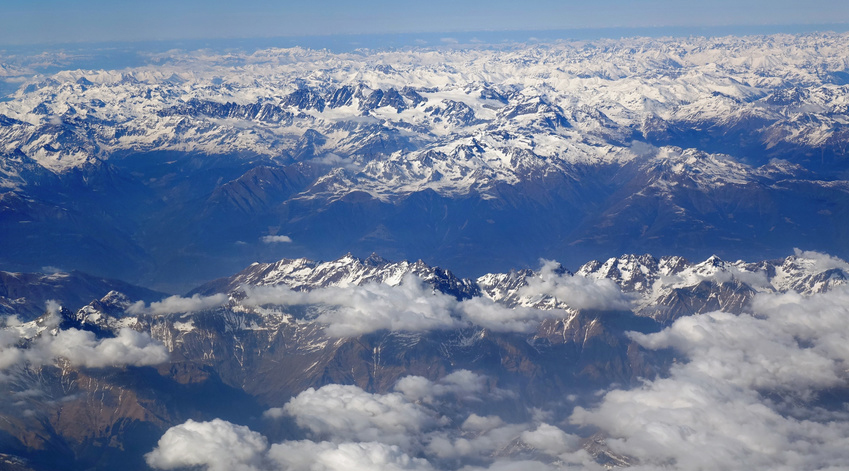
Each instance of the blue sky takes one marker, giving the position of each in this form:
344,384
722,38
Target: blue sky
54,21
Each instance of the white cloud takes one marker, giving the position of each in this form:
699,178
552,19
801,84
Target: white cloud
746,395
178,304
276,239
274,413
22,346
545,439
81,348
326,456
477,423
415,306
452,445
357,430
347,413
217,445
52,306
411,306
743,394
357,310
10,354
462,383
280,295
498,318
822,261
576,291
510,465
745,351
551,440
408,418
335,160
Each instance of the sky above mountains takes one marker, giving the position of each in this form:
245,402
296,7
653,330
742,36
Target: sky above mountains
56,21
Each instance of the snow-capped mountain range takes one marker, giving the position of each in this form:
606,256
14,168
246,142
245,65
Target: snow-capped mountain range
651,281
652,287
471,115
670,146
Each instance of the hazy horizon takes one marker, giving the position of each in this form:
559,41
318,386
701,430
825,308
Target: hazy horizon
94,21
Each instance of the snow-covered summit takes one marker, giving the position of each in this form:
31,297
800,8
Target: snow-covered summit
303,274
393,119
663,288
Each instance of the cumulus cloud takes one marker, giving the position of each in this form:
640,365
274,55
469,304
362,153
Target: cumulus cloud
179,304
463,384
357,310
352,429
347,413
822,261
27,345
498,318
746,394
81,348
276,239
576,291
695,424
465,444
453,445
220,445
745,351
411,306
479,423
10,353
409,418
527,465
326,456
551,440
215,445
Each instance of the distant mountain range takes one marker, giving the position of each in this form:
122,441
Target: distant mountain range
479,159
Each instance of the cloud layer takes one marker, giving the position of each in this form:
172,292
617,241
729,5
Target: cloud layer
747,395
417,427
415,306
